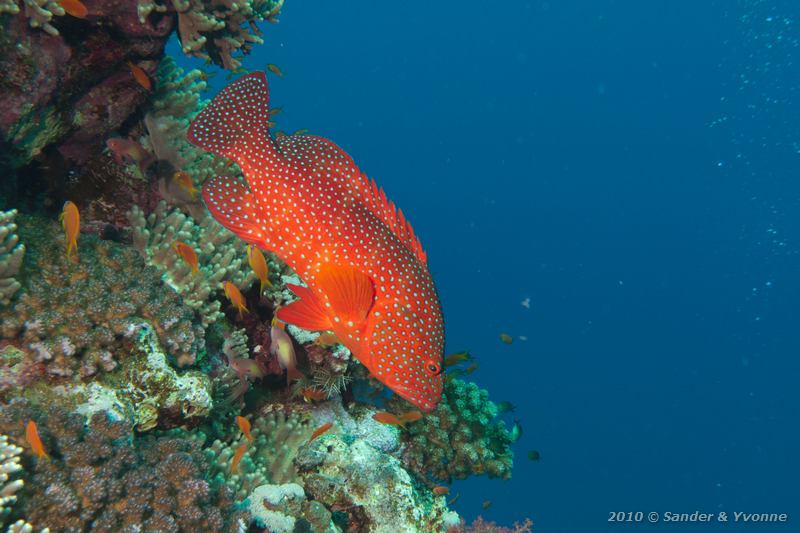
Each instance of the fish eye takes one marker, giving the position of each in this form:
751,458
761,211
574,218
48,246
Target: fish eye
433,367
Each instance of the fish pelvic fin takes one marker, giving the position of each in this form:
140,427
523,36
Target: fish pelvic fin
236,122
306,313
232,205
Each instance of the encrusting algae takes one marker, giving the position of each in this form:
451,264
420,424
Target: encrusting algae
173,361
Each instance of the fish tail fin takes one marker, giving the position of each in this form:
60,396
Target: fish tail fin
236,120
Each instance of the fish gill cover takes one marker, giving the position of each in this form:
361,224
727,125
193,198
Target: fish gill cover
163,388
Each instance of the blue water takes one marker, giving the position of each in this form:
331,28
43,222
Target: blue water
632,168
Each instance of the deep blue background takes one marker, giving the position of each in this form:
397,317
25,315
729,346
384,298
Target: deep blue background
632,168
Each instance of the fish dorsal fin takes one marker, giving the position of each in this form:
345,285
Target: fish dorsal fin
350,292
231,204
329,162
306,313
235,124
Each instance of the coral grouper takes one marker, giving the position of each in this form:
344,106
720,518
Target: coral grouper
308,202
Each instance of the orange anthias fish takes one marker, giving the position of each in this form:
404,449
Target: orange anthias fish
259,266
76,8
389,419
235,296
237,457
313,395
188,254
140,76
320,430
306,200
71,221
440,490
127,150
275,69
244,425
185,181
32,436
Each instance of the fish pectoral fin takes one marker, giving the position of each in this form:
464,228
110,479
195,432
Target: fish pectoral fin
231,204
306,313
350,292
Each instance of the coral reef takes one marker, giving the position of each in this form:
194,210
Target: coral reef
460,437
346,473
216,31
11,254
100,477
221,256
479,525
269,458
74,318
9,466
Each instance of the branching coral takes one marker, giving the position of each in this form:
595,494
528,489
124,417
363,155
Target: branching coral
221,256
268,459
74,318
176,100
39,12
220,30
9,466
11,254
460,437
100,478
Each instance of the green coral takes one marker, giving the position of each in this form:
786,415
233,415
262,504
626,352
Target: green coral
221,256
460,437
269,457
11,254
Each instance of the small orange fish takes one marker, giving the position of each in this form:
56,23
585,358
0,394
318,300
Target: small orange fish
275,111
389,419
125,149
320,430
140,76
471,368
188,254
185,181
71,221
311,394
259,266
326,339
76,8
411,416
244,425
440,490
32,436
301,131
486,504
235,296
454,499
506,338
237,457
275,69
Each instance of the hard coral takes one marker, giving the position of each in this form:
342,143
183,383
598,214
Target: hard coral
77,319
460,437
100,478
11,254
9,466
216,30
221,256
269,458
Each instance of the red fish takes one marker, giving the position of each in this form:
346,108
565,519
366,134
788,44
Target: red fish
125,150
140,76
32,436
71,220
244,426
237,457
320,430
306,200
